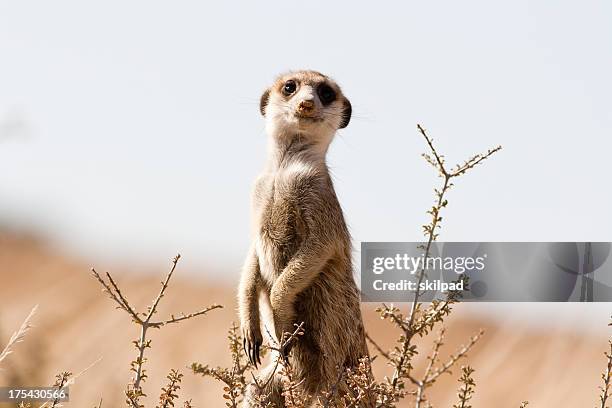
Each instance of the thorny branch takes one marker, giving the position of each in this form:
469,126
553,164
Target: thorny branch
234,378
462,352
144,320
420,322
606,376
169,392
436,219
466,392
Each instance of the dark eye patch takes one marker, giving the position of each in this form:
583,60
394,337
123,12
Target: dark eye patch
289,87
326,94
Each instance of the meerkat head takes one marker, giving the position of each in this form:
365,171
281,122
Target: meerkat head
306,103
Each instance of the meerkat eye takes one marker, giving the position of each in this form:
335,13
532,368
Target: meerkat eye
327,94
289,87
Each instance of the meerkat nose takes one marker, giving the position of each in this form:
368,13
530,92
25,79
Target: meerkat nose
306,106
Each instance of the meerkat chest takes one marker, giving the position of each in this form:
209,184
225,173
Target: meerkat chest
280,213
279,210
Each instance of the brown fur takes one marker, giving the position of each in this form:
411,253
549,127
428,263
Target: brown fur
300,259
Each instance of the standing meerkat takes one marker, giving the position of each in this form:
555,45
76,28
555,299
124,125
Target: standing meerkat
299,263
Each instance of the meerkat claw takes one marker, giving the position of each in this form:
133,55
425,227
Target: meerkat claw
254,353
257,351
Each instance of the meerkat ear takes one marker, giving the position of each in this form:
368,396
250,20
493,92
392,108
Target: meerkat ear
346,114
263,102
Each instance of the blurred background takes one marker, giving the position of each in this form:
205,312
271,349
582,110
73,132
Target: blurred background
130,131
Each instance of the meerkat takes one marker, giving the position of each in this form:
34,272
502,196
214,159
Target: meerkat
299,262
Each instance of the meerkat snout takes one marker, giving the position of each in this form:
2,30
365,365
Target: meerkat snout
306,107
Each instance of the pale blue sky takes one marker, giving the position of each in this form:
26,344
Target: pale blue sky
142,133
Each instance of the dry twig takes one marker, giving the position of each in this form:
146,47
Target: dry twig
134,391
606,377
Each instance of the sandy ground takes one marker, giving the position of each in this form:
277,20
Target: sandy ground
76,325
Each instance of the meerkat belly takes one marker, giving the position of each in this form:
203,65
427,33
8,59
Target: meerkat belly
280,234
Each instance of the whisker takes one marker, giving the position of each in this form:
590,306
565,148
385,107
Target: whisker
327,114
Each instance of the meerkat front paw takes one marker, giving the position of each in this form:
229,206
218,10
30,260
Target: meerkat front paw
252,340
283,322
